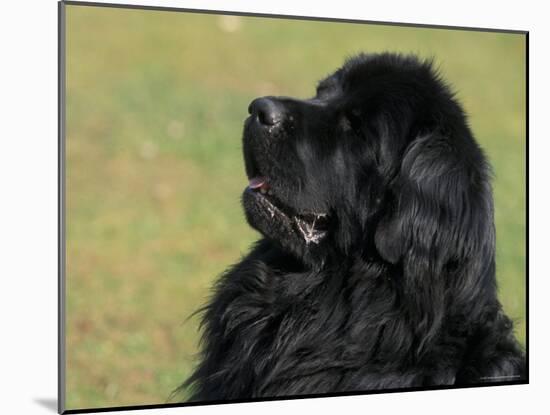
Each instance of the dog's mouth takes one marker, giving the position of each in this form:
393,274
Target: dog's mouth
312,227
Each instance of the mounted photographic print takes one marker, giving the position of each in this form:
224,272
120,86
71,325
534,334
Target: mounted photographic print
261,207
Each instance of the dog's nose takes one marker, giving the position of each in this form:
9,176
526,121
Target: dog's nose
267,110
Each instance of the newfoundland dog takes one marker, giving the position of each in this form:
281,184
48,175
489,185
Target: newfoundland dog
376,266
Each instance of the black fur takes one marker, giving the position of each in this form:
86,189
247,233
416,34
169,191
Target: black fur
399,291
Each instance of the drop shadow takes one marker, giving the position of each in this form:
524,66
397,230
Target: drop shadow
48,403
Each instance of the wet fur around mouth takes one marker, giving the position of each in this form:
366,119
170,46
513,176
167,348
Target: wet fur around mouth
312,226
299,232
400,292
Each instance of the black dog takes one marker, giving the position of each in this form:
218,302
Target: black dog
377,266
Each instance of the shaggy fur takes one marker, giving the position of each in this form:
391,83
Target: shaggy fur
376,269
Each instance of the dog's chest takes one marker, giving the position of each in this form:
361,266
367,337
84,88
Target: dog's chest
301,324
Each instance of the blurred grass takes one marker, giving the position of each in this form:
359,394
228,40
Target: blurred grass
155,105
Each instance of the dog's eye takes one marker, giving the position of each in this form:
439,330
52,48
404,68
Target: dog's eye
354,116
351,120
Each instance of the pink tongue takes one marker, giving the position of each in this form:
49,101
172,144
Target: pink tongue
256,182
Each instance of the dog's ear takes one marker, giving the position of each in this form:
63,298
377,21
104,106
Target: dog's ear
442,203
440,229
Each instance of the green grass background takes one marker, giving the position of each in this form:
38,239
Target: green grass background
155,106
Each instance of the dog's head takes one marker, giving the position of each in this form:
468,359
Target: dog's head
379,162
